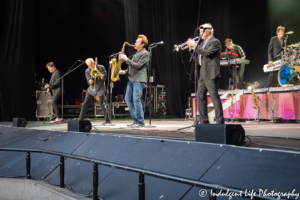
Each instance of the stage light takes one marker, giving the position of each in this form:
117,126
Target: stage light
256,84
249,87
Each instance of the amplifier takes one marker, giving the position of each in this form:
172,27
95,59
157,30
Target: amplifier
44,107
71,110
120,109
93,110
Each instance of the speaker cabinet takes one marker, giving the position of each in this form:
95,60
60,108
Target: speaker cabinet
220,133
19,122
79,125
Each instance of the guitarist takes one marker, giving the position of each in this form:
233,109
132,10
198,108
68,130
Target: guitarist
55,86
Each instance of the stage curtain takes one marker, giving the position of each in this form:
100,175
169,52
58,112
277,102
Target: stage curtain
157,19
17,82
131,22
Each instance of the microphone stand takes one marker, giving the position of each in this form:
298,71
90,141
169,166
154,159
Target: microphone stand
150,85
62,85
194,55
109,85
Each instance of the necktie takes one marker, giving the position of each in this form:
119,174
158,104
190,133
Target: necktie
203,48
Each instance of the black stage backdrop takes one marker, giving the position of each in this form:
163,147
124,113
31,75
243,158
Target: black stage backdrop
36,32
17,90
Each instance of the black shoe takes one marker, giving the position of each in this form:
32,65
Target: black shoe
132,124
141,124
137,125
204,122
106,123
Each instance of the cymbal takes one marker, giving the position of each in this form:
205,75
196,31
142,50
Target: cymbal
293,45
290,32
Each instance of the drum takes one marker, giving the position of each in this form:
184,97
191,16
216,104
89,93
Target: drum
285,74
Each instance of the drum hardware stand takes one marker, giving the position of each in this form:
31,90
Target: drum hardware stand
272,115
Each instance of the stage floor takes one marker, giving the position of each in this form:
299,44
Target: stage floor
282,136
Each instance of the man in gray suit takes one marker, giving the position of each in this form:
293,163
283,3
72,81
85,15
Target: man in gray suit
275,48
137,74
96,88
209,59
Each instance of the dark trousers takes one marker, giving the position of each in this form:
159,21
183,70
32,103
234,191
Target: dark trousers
55,101
88,99
240,71
209,85
271,82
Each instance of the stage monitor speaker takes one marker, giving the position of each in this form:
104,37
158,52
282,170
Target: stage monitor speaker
19,122
79,125
220,133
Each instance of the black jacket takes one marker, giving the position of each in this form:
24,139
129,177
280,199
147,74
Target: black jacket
55,85
275,49
210,58
100,83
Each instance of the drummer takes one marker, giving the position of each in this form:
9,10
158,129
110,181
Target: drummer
275,48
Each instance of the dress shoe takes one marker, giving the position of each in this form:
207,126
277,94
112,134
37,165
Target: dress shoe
204,122
106,123
137,125
132,124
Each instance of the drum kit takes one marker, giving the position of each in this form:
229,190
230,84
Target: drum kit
288,66
289,73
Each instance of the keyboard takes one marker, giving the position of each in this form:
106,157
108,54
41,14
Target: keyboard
275,66
239,61
225,55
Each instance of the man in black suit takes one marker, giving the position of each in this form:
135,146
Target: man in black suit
275,48
209,51
137,75
55,86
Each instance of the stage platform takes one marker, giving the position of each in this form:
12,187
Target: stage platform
277,102
263,135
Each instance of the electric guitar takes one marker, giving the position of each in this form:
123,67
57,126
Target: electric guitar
48,89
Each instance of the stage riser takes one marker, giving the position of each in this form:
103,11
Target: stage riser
237,167
287,106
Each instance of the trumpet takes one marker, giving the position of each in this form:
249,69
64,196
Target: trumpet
184,46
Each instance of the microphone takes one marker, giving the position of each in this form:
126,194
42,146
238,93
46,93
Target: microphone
290,32
157,43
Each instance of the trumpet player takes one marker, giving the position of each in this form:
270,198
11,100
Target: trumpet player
137,75
209,51
96,88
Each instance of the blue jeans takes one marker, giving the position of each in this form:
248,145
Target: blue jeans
133,99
